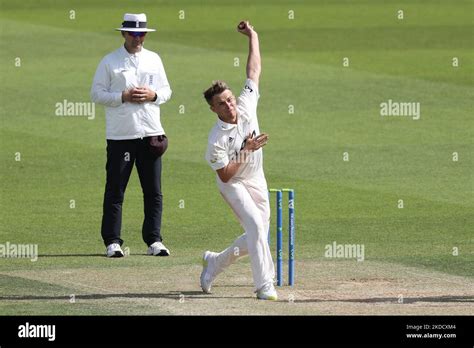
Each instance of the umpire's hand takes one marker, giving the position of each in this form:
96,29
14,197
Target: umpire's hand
138,95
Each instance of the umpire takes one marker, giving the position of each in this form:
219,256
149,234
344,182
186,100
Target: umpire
131,83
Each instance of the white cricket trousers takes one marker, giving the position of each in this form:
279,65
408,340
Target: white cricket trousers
249,201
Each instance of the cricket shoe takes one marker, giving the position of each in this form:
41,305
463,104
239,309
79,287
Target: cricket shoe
158,249
267,292
114,250
208,270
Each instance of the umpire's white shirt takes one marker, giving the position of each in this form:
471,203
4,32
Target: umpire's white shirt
226,140
119,71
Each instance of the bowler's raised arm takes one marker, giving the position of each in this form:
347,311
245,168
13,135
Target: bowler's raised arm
254,64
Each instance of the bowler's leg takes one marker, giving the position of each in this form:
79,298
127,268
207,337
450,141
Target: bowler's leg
230,255
257,188
242,203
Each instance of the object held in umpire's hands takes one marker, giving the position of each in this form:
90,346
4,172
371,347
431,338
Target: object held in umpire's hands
158,145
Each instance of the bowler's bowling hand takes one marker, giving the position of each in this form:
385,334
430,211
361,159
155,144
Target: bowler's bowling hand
245,28
254,143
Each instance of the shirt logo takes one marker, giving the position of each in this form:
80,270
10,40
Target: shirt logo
231,139
248,87
150,80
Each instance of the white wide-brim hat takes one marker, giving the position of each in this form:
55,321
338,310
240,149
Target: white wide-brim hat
134,22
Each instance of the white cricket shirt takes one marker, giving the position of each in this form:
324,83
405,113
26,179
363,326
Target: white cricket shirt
226,140
119,71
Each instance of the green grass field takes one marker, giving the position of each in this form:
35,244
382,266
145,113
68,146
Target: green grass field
336,110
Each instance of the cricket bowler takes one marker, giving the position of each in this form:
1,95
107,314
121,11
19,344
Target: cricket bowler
235,152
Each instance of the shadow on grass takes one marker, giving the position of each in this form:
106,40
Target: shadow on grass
70,255
174,295
199,295
90,255
462,299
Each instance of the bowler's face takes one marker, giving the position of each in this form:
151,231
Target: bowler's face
134,41
225,106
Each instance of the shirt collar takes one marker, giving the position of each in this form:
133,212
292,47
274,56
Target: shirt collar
126,53
224,125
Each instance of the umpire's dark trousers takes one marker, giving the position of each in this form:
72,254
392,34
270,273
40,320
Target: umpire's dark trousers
121,155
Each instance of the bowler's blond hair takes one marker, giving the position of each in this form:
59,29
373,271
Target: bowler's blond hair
216,88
